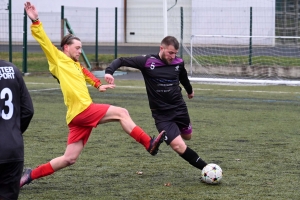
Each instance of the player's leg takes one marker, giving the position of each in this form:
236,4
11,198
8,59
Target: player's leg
182,119
174,139
69,158
9,179
186,132
119,114
79,132
122,116
188,154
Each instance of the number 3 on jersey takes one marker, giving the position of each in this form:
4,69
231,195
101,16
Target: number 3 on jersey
7,103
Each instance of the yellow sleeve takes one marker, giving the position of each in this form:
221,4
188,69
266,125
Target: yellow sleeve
51,52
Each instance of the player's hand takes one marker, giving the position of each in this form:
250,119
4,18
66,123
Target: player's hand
31,11
190,96
109,78
103,88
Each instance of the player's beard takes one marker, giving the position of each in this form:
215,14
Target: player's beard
74,58
164,59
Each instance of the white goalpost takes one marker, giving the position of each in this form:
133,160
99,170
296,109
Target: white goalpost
244,59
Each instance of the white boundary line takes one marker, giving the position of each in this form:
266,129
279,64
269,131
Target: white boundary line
34,83
249,91
196,89
247,81
41,90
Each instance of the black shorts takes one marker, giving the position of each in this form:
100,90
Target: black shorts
10,180
174,122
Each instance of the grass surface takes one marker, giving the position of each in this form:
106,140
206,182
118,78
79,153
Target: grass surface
252,132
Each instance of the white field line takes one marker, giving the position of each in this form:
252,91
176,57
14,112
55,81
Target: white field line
33,83
40,90
199,89
253,91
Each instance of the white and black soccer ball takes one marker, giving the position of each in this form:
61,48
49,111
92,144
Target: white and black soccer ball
211,174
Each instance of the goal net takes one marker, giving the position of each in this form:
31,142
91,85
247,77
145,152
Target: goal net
3,5
245,59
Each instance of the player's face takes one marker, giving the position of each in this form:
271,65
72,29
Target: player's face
168,53
74,50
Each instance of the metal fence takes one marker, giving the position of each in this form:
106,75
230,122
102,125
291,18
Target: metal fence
139,30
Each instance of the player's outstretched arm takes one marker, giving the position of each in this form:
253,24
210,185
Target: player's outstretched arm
109,78
32,13
103,88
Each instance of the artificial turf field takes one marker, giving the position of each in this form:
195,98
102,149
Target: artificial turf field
252,132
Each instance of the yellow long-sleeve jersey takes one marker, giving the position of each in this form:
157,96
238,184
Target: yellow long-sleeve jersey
70,74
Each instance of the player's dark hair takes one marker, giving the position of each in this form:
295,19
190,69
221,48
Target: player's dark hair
68,39
170,40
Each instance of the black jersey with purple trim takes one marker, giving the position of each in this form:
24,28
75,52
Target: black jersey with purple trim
16,111
162,80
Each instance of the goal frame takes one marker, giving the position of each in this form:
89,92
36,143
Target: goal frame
237,80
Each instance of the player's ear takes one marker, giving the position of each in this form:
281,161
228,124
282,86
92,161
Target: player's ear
65,47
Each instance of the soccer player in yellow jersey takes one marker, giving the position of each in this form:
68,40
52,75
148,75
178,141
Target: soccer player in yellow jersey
82,114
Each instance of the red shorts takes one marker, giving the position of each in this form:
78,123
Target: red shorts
81,126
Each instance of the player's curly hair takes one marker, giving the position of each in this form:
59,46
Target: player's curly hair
68,39
170,40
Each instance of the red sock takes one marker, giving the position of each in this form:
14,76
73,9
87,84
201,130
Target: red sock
140,136
41,171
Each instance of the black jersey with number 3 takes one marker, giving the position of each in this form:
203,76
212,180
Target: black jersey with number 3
16,111
162,80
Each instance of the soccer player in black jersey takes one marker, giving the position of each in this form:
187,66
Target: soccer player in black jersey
16,111
163,74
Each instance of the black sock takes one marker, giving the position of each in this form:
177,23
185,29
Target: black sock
193,158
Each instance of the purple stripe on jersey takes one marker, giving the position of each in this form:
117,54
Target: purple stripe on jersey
154,62
177,61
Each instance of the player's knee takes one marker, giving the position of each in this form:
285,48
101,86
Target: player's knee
123,112
186,136
70,161
178,147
